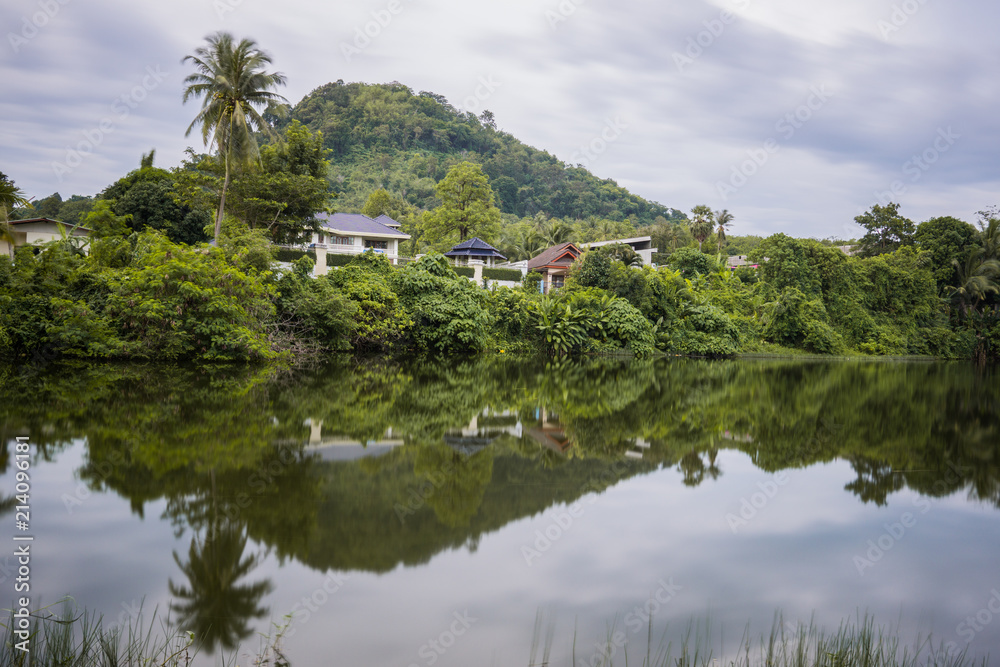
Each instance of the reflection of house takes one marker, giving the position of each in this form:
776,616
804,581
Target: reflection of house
553,263
475,248
353,233
35,231
643,246
550,433
339,448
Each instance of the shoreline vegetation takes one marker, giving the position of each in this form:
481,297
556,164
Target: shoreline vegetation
140,296
78,638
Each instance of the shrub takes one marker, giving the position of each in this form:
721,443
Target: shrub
691,262
508,275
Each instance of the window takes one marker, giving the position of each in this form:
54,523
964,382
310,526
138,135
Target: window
558,281
377,245
342,240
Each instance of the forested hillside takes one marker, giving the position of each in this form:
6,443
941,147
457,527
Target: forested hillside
387,136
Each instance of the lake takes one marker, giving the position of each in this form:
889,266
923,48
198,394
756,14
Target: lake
461,512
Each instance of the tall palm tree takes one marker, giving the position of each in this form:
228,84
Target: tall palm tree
701,224
723,219
232,82
11,197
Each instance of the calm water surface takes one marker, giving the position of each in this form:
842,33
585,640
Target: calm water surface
426,514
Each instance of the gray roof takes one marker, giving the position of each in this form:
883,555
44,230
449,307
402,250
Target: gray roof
356,223
388,222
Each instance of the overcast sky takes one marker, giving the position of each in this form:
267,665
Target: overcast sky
796,115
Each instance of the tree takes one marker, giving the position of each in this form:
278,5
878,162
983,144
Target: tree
467,207
231,79
149,197
946,239
701,224
11,197
887,230
975,281
723,219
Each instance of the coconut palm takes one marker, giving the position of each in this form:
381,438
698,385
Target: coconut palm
233,85
701,224
11,197
976,280
723,219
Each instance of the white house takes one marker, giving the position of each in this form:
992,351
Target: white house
353,233
643,246
36,231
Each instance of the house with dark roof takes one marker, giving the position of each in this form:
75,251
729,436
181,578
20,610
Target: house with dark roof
354,233
473,249
553,263
35,231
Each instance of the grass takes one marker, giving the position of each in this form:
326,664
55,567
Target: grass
858,642
82,640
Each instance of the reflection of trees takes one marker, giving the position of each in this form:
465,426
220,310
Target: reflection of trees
171,433
876,480
214,604
458,481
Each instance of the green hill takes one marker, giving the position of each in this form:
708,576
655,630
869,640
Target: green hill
384,135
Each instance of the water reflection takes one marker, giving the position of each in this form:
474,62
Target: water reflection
370,464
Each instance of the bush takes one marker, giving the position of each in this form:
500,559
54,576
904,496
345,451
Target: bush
381,321
508,275
449,312
691,262
465,271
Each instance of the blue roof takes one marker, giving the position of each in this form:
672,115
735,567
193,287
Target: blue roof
356,223
474,247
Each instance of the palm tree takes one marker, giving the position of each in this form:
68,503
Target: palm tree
11,197
723,219
702,223
975,280
231,79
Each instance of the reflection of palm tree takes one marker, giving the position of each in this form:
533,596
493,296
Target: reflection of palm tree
214,606
713,469
693,468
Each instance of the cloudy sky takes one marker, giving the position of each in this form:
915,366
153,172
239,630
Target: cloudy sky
796,115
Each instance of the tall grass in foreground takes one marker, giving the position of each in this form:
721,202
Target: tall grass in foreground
858,642
83,641
73,639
